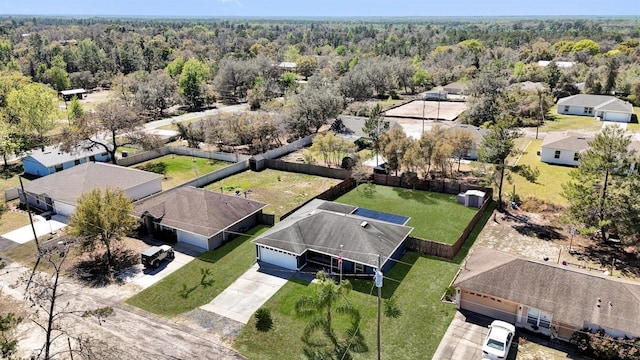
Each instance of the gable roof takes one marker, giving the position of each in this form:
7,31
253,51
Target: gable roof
600,102
571,295
323,231
196,210
528,86
477,132
567,141
458,85
52,155
67,186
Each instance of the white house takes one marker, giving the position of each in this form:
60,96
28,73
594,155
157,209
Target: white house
477,133
60,192
601,107
560,64
564,148
51,159
197,217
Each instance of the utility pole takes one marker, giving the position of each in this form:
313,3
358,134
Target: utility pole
378,279
26,201
340,263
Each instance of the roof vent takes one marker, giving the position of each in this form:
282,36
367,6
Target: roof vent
364,224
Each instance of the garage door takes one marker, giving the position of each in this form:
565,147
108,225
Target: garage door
489,306
275,257
620,117
192,239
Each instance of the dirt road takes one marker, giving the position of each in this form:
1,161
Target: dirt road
128,334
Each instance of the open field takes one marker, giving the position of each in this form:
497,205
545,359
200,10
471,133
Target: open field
180,169
548,186
187,288
443,110
281,191
434,216
417,282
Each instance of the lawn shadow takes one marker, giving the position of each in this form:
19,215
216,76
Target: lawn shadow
421,196
628,263
219,253
543,232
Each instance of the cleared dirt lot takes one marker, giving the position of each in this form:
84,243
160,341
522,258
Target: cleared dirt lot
442,110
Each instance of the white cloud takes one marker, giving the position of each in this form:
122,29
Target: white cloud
237,2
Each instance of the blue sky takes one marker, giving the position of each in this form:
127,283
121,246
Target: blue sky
307,8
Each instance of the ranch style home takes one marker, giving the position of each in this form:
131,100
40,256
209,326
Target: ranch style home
197,217
564,148
601,107
328,235
59,192
50,160
551,299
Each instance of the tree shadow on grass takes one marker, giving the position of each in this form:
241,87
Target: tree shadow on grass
392,279
421,196
217,254
94,270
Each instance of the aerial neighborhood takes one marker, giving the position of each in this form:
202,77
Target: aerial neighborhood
398,188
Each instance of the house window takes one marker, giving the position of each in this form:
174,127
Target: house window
576,157
76,162
566,108
588,110
92,158
557,154
58,167
539,318
359,268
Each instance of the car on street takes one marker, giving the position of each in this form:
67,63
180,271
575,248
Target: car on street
498,341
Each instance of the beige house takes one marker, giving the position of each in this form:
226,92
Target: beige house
551,299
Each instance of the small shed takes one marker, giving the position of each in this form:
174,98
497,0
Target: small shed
68,95
257,163
472,198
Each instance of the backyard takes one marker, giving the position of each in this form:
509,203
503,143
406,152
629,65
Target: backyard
561,122
282,191
417,282
434,216
178,169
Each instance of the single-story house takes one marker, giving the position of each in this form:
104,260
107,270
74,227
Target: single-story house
287,66
560,64
329,235
68,95
564,148
601,107
551,299
529,86
197,217
60,192
456,88
477,133
50,160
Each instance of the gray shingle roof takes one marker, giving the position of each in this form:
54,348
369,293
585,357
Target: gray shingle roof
67,186
324,231
569,294
601,102
198,211
52,155
567,141
477,132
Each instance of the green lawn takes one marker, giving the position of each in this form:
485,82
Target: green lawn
434,216
549,183
180,169
281,191
560,122
184,289
417,283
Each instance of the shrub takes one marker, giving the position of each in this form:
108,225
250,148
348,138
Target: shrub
158,168
264,322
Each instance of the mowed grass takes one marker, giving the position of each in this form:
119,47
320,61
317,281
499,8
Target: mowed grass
417,282
12,220
561,122
181,168
187,288
548,186
434,216
282,191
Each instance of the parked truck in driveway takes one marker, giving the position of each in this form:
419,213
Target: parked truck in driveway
153,256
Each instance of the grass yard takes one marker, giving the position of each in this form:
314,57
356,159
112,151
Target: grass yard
417,283
180,169
187,289
12,220
281,191
549,184
434,216
560,122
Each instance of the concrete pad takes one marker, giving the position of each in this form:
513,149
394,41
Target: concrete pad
613,123
463,338
146,277
42,226
248,293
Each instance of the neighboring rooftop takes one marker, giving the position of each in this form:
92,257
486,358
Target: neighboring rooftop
601,102
571,295
478,133
561,64
197,210
567,141
67,186
52,155
529,86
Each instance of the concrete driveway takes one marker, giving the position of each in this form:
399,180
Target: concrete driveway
249,292
43,227
463,339
149,276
